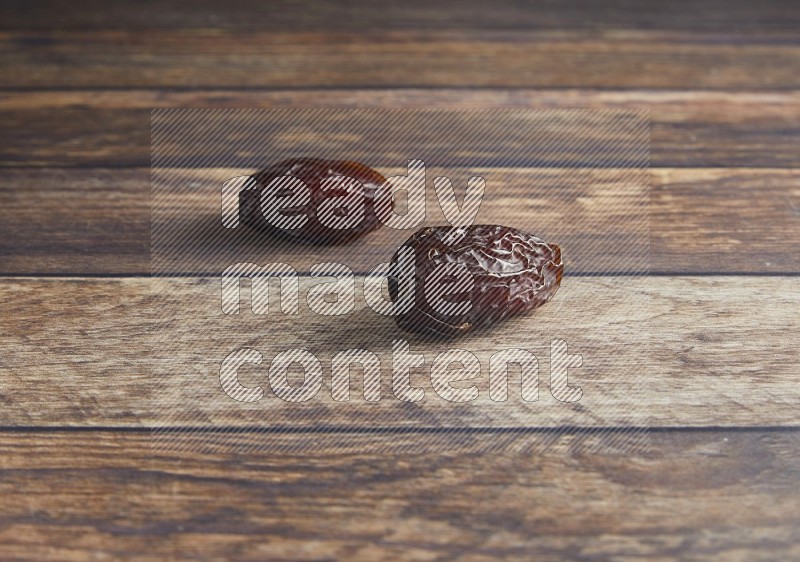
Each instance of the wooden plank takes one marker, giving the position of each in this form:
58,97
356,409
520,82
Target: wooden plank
479,138
97,221
688,129
663,351
715,214
214,58
706,495
671,106
599,216
57,220
362,15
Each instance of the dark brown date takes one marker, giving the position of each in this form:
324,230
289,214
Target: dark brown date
333,202
476,276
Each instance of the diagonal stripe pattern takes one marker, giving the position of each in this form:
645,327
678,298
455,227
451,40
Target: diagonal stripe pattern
576,177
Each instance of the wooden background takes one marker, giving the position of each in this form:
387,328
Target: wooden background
78,477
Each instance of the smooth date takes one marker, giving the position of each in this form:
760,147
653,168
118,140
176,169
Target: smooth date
314,200
476,276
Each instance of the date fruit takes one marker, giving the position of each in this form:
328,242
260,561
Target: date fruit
314,200
475,276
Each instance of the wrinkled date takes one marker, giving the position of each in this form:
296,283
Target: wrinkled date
476,276
314,200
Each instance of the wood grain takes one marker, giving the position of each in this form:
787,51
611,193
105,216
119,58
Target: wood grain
705,495
688,129
360,15
664,351
480,138
79,221
80,476
607,230
213,58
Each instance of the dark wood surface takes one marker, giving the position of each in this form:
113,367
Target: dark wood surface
700,495
104,128
698,216
80,477
708,363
